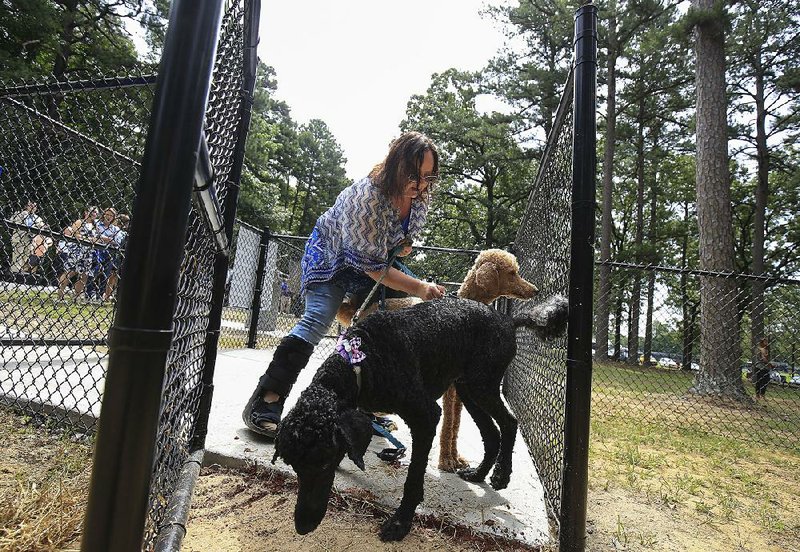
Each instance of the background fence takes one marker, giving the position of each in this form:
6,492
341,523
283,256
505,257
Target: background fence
70,156
656,312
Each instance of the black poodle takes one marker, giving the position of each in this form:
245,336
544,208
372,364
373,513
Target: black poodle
402,361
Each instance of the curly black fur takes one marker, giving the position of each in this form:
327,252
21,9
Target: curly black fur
548,319
412,356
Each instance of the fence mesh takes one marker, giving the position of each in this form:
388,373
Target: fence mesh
535,382
656,311
186,360
70,155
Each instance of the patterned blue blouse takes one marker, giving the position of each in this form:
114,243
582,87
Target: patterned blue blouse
357,233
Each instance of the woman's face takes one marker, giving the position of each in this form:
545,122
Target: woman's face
108,216
417,184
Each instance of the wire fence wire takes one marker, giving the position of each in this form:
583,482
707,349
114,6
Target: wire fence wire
186,361
535,384
280,306
70,155
672,380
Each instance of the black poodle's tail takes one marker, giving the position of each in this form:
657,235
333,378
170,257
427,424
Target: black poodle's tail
547,319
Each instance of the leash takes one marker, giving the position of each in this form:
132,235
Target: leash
392,258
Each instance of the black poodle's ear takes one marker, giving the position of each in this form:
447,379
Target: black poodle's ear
355,428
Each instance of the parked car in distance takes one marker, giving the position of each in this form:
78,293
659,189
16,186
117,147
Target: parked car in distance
775,377
694,367
667,362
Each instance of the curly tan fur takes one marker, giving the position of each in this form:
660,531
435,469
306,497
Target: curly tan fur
494,274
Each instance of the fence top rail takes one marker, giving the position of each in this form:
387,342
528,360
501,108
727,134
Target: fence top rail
62,86
420,247
698,272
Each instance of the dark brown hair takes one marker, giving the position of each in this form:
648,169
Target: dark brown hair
404,160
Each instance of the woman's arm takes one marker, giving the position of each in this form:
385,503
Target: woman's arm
400,281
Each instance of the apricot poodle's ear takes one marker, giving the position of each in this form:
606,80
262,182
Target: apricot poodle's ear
487,278
355,428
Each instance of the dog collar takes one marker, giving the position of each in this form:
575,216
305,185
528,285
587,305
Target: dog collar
349,350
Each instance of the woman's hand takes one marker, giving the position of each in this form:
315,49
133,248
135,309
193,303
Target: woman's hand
428,291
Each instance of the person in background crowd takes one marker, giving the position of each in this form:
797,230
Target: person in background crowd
117,254
21,240
105,232
761,369
79,256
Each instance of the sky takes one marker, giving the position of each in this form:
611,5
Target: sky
355,63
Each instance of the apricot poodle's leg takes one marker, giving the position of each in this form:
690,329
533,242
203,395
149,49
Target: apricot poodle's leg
449,459
446,436
458,460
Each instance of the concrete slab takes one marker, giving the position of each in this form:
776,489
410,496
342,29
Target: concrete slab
517,512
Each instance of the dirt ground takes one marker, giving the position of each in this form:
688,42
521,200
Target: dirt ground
234,511
44,483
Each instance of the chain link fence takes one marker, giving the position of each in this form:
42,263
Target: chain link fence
70,159
655,367
70,154
535,383
265,278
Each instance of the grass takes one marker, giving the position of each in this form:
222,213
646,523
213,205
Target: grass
694,460
660,397
40,314
44,479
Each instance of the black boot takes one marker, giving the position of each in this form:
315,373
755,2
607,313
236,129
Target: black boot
290,357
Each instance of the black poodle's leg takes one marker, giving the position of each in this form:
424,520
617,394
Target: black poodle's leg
423,430
489,433
490,403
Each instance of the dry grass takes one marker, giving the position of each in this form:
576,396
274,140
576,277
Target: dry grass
44,482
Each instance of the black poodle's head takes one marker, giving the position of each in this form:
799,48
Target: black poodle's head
313,438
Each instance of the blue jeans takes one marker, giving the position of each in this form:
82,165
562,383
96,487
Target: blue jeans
322,301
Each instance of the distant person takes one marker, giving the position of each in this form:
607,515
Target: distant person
39,247
285,304
79,257
105,232
762,368
21,241
117,254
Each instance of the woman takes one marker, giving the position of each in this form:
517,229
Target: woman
348,251
78,257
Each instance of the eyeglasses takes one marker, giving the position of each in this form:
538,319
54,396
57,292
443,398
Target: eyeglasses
428,180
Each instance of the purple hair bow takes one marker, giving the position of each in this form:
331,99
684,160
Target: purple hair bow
348,348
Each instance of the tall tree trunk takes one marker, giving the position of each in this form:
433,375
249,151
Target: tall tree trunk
652,236
604,280
720,350
686,309
636,291
759,218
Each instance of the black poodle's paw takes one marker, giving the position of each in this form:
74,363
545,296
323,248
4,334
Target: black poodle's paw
395,528
500,478
471,474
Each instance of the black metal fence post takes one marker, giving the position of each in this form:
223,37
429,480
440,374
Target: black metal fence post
255,307
142,331
251,18
579,334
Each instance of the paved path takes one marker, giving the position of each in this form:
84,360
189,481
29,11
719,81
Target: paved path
517,512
